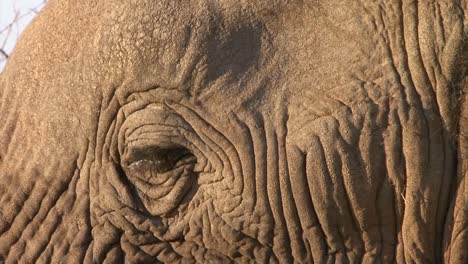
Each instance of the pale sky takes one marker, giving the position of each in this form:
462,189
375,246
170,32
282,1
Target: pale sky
25,10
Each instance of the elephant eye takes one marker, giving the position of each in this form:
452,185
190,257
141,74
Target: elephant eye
155,159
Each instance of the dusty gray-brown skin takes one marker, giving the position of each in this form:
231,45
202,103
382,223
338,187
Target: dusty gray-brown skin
245,131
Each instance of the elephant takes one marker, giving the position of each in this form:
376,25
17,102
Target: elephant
280,131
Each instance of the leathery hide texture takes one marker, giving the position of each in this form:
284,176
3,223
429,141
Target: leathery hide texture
235,131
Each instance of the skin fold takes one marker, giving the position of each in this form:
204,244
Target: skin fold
236,131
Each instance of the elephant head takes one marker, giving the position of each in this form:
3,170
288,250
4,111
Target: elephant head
236,131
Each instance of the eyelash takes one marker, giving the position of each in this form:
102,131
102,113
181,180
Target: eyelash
160,160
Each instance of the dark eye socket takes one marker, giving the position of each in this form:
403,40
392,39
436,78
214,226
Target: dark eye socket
156,159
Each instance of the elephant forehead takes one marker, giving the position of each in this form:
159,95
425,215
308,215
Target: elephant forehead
129,32
198,46
226,49
232,53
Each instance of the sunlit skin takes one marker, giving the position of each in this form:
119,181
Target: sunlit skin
234,131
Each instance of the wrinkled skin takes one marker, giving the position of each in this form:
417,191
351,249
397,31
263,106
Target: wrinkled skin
244,131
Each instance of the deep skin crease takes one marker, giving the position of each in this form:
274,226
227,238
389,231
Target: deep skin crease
236,131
